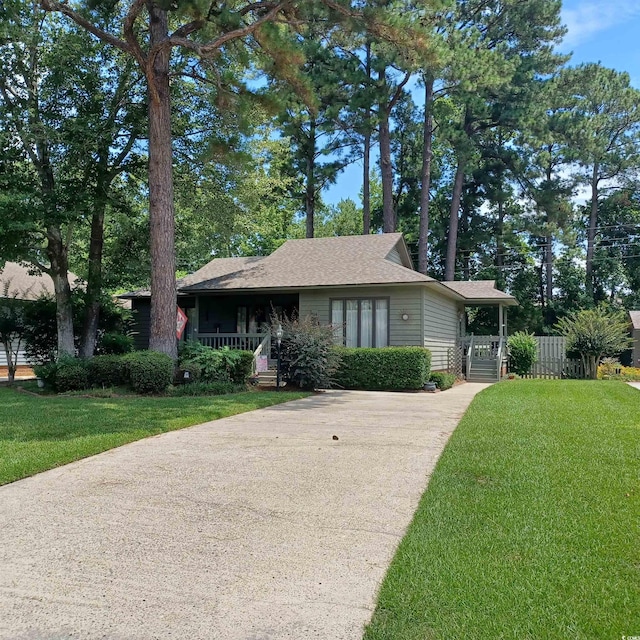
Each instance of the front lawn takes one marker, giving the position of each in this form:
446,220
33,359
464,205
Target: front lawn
530,527
39,433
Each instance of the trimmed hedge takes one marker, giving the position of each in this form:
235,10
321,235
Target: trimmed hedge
148,371
72,376
443,380
67,374
386,369
107,371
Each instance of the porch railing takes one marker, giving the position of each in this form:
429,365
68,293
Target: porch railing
243,341
263,349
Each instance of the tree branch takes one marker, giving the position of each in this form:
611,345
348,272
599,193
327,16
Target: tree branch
129,22
53,5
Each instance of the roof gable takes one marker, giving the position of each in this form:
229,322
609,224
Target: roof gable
312,262
17,282
635,319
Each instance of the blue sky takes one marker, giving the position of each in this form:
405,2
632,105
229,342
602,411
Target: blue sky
606,31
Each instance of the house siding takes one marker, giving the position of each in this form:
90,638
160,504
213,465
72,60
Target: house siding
22,359
394,256
401,300
440,327
636,348
141,309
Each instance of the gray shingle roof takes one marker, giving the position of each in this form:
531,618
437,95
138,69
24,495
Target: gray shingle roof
635,319
480,290
24,286
314,262
326,262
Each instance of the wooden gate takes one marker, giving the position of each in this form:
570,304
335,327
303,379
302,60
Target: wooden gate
552,360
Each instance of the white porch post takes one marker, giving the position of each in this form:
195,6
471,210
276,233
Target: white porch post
502,328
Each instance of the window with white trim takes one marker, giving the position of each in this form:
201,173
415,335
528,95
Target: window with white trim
360,322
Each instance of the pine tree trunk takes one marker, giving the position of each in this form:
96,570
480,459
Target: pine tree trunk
452,239
366,177
500,242
161,213
94,282
386,170
310,191
591,233
366,186
423,236
548,262
57,254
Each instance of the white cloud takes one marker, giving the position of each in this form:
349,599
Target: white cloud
595,16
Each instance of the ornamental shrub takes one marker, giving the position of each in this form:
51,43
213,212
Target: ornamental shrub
611,369
217,365
443,380
107,371
308,356
243,367
523,352
47,373
71,375
595,333
148,371
386,369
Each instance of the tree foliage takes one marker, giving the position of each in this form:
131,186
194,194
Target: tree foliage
595,333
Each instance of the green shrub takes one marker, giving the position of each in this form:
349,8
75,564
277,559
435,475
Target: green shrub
243,367
107,371
386,369
217,365
205,389
112,343
47,373
308,357
443,380
191,349
194,369
594,334
148,371
523,352
67,374
71,375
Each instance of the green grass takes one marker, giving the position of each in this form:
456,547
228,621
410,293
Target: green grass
39,433
530,527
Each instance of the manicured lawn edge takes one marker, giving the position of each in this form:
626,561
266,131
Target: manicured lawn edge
529,526
41,433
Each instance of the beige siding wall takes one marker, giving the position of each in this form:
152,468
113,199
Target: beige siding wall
636,348
440,327
401,300
394,256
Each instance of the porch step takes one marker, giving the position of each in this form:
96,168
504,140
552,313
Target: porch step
268,378
483,370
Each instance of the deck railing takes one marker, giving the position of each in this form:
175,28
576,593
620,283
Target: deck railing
243,341
263,349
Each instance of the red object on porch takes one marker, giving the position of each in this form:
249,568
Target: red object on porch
181,323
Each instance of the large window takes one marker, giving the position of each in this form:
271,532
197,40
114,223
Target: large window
360,322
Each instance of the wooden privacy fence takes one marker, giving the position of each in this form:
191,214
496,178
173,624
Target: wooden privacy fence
552,360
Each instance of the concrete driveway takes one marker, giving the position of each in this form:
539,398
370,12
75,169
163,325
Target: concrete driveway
260,526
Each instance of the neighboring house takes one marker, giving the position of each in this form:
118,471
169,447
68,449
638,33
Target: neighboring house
17,282
364,285
635,334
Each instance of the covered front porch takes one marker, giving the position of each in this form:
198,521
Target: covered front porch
237,321
482,356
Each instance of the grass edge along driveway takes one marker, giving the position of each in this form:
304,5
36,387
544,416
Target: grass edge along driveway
529,528
40,433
